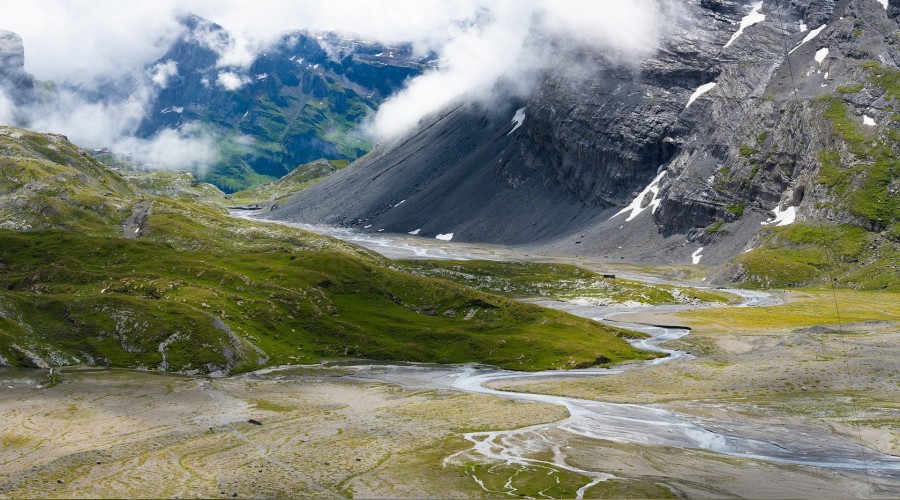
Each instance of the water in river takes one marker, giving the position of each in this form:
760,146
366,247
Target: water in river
629,423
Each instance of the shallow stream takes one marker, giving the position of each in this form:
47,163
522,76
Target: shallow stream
642,424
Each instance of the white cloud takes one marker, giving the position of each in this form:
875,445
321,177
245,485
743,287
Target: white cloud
113,123
74,40
187,148
162,72
7,109
474,59
231,81
89,123
478,42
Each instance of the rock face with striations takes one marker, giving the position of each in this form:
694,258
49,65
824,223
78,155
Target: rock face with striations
14,81
680,157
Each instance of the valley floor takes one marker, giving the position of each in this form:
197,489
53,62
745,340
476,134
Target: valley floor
378,431
324,433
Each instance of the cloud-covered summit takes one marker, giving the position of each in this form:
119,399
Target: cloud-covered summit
89,42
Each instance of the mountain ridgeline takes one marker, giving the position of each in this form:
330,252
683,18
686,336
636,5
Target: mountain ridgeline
303,99
759,137
762,135
306,97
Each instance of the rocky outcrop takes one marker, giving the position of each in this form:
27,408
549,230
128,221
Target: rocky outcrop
893,8
14,81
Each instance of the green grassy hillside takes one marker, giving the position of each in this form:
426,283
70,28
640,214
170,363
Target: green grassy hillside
113,276
556,281
48,183
278,191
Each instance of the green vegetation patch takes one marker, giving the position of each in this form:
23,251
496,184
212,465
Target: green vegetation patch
736,209
746,151
886,79
554,281
807,255
182,186
275,192
716,227
850,88
117,301
863,182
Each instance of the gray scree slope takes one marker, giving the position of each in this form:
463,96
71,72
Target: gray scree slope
588,146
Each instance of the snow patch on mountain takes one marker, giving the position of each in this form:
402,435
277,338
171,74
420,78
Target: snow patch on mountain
782,217
749,20
635,206
809,36
696,256
518,119
706,87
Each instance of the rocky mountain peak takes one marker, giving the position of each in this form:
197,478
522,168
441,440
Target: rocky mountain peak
17,84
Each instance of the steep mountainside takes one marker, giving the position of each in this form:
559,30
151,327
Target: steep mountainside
750,116
302,99
17,84
94,270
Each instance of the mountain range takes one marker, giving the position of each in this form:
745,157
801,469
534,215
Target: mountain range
759,138
764,136
306,97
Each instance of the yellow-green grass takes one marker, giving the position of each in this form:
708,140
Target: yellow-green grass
804,308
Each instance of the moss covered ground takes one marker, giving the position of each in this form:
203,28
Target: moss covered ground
555,281
813,255
129,279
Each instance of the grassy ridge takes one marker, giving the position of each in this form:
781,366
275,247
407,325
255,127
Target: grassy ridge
46,182
96,271
117,300
301,177
808,255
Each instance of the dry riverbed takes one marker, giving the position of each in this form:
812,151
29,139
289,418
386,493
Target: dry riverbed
833,378
122,433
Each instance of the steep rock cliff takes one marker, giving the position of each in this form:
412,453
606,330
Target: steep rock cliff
683,157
